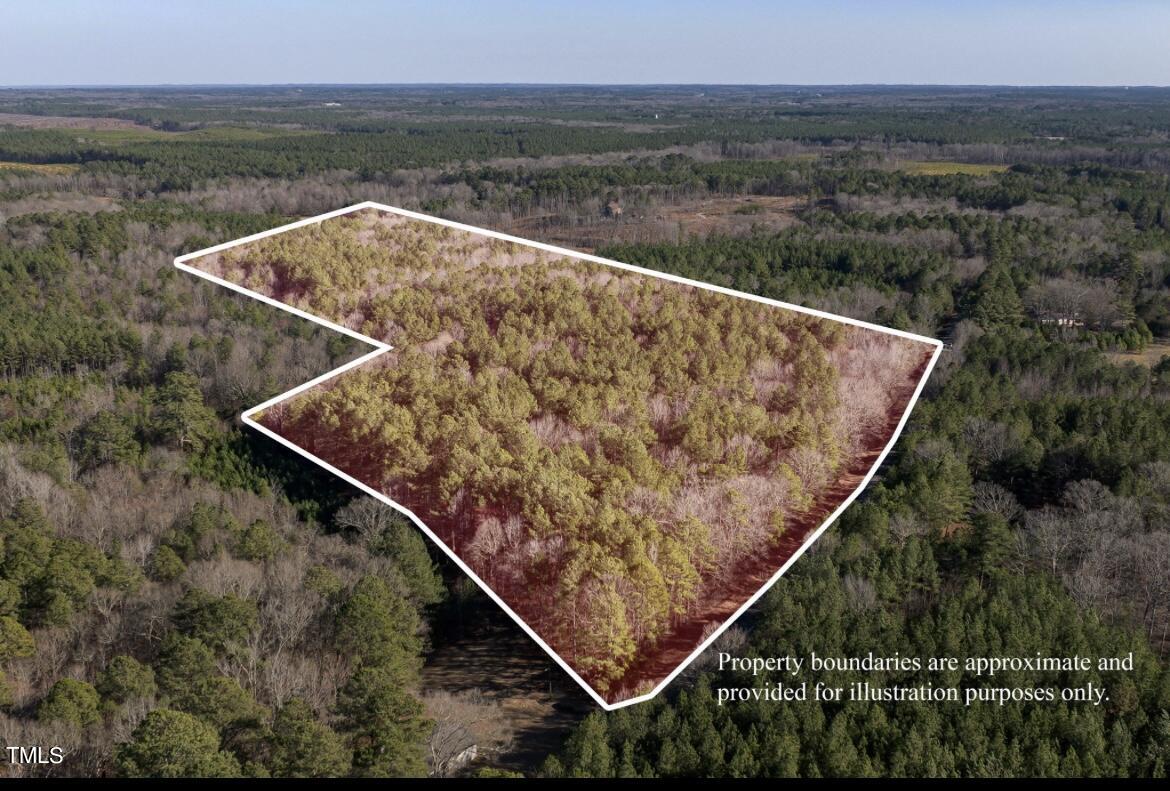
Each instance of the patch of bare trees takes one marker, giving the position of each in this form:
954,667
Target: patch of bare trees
469,727
1112,554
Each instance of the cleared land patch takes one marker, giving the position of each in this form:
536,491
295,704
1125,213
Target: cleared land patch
1149,356
934,168
29,121
51,169
675,222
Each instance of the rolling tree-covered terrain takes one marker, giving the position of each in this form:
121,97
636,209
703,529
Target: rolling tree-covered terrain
604,448
179,596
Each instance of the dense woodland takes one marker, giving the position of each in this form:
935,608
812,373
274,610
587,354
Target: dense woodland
178,597
602,447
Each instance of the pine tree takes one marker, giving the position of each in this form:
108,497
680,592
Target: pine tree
173,744
107,438
180,415
124,679
588,752
379,626
302,746
72,702
995,300
15,641
384,722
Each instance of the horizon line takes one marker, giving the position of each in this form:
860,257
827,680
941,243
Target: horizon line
810,85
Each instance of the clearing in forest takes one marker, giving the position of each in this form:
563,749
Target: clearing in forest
624,460
939,168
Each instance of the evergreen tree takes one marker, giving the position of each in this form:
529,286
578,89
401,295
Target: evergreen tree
384,722
15,641
219,622
995,299
173,744
107,438
70,701
379,626
180,416
124,679
304,747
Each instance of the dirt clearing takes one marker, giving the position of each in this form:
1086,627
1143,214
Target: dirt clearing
65,122
730,216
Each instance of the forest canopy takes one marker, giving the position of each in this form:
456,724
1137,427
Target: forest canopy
604,449
1027,503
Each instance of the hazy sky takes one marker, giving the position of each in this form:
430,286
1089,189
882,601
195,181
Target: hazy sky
1051,42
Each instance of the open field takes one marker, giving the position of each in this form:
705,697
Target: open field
59,202
56,169
490,656
949,168
730,216
1150,356
64,122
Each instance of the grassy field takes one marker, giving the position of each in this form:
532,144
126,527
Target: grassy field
919,168
208,133
1150,356
42,170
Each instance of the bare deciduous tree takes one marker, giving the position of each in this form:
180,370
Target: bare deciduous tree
468,725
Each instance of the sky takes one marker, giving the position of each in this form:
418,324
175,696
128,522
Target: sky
999,42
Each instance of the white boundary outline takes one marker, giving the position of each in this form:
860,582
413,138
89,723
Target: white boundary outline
381,348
